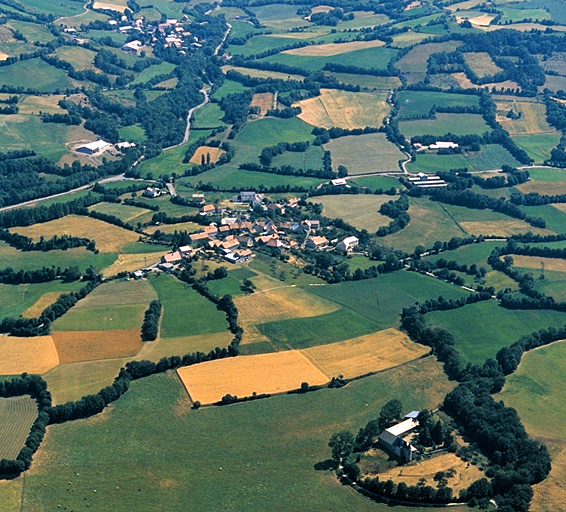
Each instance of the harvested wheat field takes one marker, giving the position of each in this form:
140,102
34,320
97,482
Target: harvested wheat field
79,346
31,355
344,109
242,376
499,227
365,354
465,475
109,6
465,83
203,151
108,238
31,104
534,262
43,302
532,120
264,101
329,49
550,495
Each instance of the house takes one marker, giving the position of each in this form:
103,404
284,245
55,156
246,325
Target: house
198,198
317,243
152,192
207,209
166,267
285,226
312,224
210,230
231,244
224,230
348,244
245,240
340,182
126,28
133,47
198,237
249,197
172,257
124,145
98,146
138,274
239,256
185,250
393,440
293,202
276,208
277,245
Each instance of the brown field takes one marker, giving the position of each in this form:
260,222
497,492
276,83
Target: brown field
481,63
534,262
550,495
500,227
45,300
466,473
329,49
265,101
215,154
544,188
108,238
260,73
344,109
532,120
109,6
119,292
131,262
465,83
242,376
366,354
31,355
79,346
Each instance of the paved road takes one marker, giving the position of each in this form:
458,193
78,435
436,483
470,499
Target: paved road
204,91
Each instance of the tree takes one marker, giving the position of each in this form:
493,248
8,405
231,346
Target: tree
390,413
342,444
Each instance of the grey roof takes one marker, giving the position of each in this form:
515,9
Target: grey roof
387,438
412,414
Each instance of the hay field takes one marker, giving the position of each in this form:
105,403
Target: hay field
534,262
362,154
109,6
124,212
264,101
17,415
466,83
131,262
366,354
79,346
30,104
108,238
81,58
119,292
329,49
344,109
500,227
45,300
242,376
362,211
414,64
532,120
466,473
215,154
481,64
260,73
31,355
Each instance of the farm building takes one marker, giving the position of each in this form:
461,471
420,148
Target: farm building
152,192
240,256
392,439
185,250
98,146
248,197
138,274
423,180
196,237
132,47
207,209
339,182
166,267
348,244
172,257
312,224
443,145
198,198
317,243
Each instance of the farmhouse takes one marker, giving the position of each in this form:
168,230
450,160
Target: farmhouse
132,47
172,257
152,192
185,250
392,439
248,197
196,237
166,267
207,209
348,244
317,243
240,256
92,148
198,198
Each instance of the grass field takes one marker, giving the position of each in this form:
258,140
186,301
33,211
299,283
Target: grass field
309,159
477,328
330,49
31,104
31,355
414,64
367,354
538,146
46,78
242,376
553,214
108,238
418,103
545,181
260,73
133,133
535,391
17,415
43,302
532,120
80,58
362,211
123,211
481,64
458,124
209,115
185,312
377,83
132,261
344,109
33,32
152,71
80,346
228,87
365,153
377,181
153,415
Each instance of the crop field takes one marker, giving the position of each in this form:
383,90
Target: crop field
46,78
119,292
538,146
208,116
17,415
362,154
330,49
458,124
376,83
43,302
418,103
465,83
532,120
481,64
429,223
31,355
242,376
260,73
344,109
122,211
80,58
476,345
108,238
295,427
409,39
367,354
264,101
185,312
362,211
535,391
204,151
414,64
545,181
411,473
79,346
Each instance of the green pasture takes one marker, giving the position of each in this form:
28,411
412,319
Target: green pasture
132,133
555,219
216,458
279,16
468,254
117,37
515,15
185,312
553,284
418,103
101,318
260,44
208,116
482,329
309,159
80,58
228,87
59,8
46,78
123,211
538,146
231,285
33,31
283,271
374,83
374,182
458,124
152,71
407,39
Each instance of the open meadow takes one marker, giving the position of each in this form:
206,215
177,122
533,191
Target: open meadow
17,415
458,124
419,103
